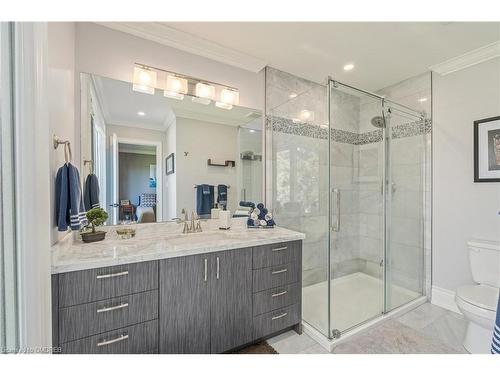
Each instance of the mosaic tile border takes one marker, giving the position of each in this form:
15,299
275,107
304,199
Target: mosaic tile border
283,125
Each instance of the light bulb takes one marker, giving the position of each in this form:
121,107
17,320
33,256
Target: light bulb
205,91
144,80
230,96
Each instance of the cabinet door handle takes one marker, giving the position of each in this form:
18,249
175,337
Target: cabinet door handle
279,271
279,294
218,268
206,269
112,308
112,341
279,248
111,275
279,316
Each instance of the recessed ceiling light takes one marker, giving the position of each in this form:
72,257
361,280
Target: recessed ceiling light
140,113
348,67
421,100
306,115
292,95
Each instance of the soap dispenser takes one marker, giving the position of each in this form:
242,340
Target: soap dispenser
215,212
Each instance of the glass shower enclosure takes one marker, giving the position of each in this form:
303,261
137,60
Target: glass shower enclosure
348,170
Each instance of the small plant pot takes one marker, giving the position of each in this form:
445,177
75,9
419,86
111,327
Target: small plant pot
93,236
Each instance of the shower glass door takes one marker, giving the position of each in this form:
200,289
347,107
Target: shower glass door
405,205
357,161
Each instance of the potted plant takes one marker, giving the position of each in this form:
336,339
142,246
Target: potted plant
96,217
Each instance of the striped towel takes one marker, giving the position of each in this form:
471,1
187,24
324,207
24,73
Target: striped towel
495,343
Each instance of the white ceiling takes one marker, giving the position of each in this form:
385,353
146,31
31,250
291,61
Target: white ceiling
120,106
384,53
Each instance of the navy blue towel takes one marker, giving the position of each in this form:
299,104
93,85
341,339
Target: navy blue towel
91,192
204,199
68,198
222,195
495,343
247,204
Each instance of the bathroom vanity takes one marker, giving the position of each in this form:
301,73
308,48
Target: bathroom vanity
166,292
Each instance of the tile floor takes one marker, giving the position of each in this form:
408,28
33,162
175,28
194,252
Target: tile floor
426,329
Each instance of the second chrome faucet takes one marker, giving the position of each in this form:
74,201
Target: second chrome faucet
195,223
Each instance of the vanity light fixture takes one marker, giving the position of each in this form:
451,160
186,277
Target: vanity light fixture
176,87
348,67
144,80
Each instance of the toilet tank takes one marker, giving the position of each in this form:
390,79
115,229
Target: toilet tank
484,257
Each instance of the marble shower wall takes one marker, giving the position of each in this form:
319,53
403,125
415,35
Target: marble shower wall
298,171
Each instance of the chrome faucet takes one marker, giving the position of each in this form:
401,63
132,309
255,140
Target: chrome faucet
192,228
195,223
185,229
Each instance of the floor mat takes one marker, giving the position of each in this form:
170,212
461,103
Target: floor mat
260,348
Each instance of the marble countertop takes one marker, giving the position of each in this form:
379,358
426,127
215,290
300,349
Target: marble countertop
160,241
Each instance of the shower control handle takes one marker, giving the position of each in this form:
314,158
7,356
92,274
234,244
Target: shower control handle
336,225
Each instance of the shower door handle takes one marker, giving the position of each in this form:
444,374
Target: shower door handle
336,225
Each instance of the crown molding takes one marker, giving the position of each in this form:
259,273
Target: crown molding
160,33
468,59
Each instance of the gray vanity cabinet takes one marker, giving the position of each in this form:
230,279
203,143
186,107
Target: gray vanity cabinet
206,302
231,308
185,305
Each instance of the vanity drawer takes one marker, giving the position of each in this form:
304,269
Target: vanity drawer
271,277
279,253
276,298
107,282
89,319
137,339
276,320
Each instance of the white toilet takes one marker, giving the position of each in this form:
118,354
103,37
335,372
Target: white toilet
479,302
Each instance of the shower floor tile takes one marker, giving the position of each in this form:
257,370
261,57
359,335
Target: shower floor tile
356,298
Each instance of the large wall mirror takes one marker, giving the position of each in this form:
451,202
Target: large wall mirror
154,156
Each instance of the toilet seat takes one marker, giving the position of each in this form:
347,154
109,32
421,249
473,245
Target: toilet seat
481,296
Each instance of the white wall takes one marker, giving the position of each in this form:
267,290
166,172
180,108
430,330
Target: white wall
204,140
462,209
61,101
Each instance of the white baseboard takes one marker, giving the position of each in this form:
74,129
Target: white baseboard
444,298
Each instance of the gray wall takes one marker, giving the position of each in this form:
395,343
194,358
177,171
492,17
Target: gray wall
462,209
134,175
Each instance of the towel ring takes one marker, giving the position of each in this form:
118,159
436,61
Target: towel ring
91,165
67,152
67,148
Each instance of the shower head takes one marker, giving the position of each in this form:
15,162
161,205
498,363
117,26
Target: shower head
378,122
